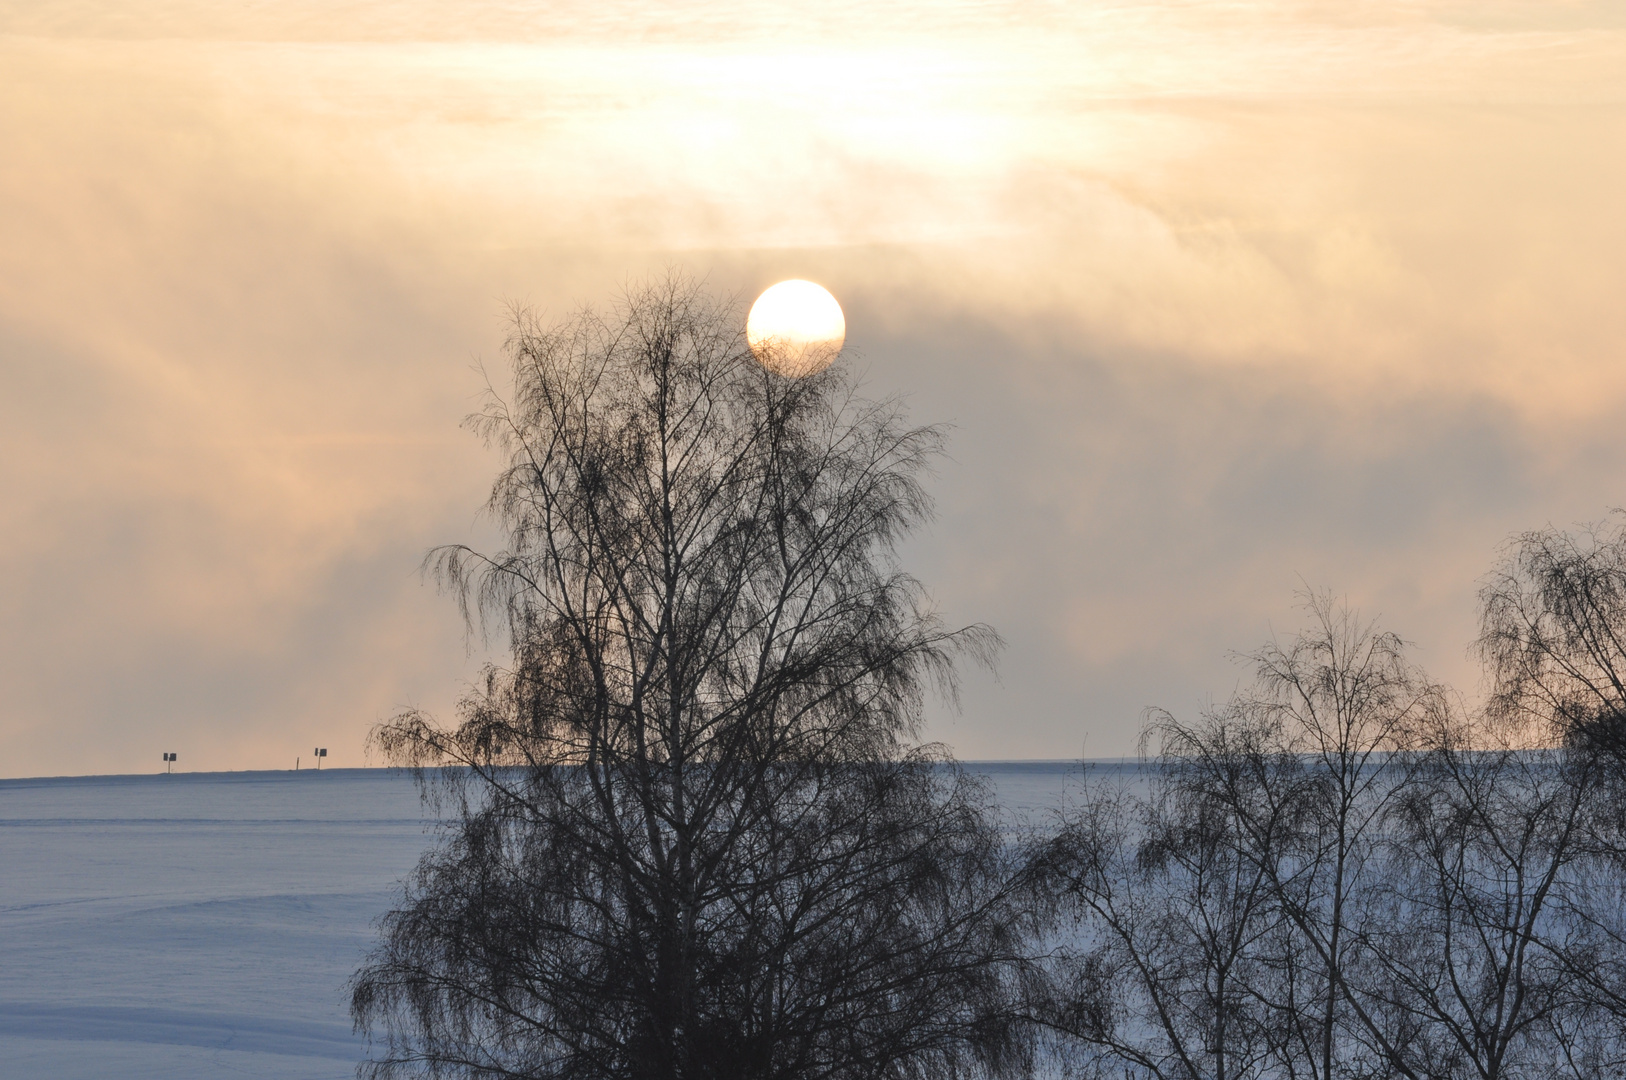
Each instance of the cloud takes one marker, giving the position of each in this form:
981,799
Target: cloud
1222,300
1130,521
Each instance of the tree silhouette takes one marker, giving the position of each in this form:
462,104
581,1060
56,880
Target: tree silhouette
687,831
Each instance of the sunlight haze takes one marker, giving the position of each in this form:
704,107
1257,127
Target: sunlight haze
1222,301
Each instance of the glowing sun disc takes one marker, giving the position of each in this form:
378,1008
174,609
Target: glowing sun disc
795,328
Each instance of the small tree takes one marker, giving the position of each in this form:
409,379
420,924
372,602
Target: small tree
1336,707
1220,912
1164,921
1479,909
686,832
1553,636
1339,874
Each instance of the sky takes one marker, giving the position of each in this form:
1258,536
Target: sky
1224,301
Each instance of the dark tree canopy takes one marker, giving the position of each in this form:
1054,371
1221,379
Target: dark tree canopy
687,830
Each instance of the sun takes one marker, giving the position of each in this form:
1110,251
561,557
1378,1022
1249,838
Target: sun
795,328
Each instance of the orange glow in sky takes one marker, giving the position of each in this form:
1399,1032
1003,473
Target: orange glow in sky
1221,298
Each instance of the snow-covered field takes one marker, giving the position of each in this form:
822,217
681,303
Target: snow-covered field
192,925
204,925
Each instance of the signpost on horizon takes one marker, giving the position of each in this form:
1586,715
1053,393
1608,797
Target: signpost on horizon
169,761
320,752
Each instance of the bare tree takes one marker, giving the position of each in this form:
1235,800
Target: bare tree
1553,635
1341,703
1341,872
687,831
1234,892
1164,929
1480,893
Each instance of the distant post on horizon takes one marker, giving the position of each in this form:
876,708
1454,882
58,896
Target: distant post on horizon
319,753
169,761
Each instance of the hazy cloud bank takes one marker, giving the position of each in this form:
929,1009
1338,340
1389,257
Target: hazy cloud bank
1218,300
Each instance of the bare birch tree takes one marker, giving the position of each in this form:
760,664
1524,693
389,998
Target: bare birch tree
688,831
1553,634
1477,917
1553,638
1163,935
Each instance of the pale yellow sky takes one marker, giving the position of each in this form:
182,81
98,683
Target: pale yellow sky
1222,297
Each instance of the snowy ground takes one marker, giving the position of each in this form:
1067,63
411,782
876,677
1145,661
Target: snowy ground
204,925
201,925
